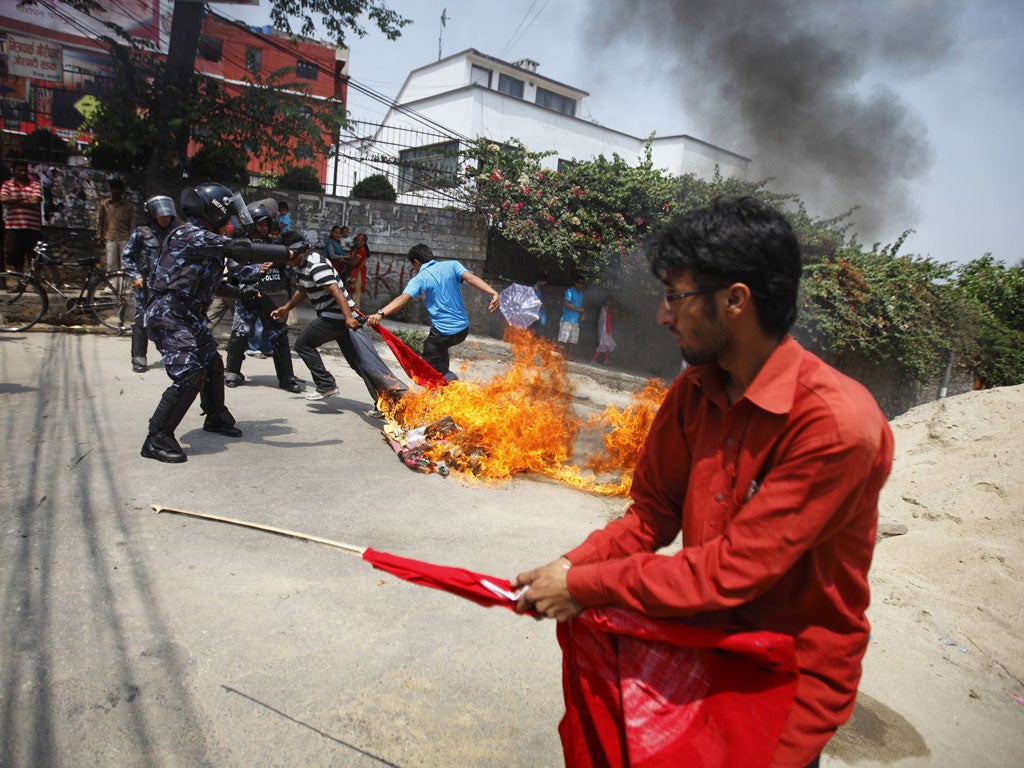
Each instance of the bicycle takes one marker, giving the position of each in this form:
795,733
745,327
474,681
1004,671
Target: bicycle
24,297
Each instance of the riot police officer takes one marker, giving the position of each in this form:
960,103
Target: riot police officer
182,283
138,256
256,301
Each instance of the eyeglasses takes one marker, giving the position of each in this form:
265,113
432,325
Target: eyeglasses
670,298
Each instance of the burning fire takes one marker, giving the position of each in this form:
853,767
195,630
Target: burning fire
523,421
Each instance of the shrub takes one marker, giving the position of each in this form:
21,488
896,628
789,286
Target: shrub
375,187
219,162
302,178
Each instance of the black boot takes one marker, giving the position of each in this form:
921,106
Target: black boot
236,355
211,399
174,404
283,366
139,345
163,447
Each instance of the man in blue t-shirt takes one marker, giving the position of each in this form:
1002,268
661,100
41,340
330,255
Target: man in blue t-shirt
439,284
572,309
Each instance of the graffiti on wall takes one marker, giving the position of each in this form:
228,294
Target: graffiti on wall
386,275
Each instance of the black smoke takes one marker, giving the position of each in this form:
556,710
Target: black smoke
805,88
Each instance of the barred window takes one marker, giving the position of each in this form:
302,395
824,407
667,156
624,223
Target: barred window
432,166
306,69
253,60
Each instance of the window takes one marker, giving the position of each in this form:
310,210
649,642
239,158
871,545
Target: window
557,102
565,165
210,48
428,167
480,76
306,69
253,60
510,85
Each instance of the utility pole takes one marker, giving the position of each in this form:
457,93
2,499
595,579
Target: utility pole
171,143
440,34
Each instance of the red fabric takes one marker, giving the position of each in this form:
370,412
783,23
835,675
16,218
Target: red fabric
419,370
22,215
776,496
457,581
659,694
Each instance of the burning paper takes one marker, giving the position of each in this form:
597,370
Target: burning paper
522,421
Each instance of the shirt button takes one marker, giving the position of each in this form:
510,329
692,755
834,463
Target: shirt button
730,441
719,497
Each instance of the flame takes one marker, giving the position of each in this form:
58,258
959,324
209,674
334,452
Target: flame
523,421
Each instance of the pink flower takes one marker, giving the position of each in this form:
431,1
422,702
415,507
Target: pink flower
495,176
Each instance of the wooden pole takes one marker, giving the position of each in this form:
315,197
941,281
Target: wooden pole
270,529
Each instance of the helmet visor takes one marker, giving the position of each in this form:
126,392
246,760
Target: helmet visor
237,206
161,205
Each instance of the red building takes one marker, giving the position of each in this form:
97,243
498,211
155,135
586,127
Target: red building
53,66
234,53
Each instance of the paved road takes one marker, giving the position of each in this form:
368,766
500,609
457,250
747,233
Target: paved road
136,639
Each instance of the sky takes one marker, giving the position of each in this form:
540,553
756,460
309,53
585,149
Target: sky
912,110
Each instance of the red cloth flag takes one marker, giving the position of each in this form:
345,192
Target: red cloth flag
650,693
419,370
458,581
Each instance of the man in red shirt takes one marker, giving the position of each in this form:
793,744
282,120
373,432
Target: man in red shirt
22,198
767,460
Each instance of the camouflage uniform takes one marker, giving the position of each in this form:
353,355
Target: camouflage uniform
182,283
137,258
257,301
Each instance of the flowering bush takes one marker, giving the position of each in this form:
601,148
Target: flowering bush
584,217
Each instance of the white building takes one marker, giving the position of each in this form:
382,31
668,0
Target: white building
469,95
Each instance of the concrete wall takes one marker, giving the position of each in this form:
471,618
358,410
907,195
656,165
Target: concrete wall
391,230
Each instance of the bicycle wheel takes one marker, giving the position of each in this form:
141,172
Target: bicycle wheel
23,302
112,301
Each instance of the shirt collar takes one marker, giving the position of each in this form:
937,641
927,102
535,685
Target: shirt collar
773,388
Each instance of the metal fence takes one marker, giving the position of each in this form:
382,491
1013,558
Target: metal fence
423,166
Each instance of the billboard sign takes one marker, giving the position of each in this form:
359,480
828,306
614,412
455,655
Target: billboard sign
33,58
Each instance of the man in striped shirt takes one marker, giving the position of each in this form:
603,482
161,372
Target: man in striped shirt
23,216
335,321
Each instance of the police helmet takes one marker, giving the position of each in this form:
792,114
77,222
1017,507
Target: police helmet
260,212
211,201
160,205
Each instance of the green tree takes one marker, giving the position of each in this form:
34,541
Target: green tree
375,187
43,146
302,178
888,308
992,311
221,162
171,115
270,118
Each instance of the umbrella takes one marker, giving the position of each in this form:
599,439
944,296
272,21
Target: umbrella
520,305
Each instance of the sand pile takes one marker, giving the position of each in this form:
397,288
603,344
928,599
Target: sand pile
943,675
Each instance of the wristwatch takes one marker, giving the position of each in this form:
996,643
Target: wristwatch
380,312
